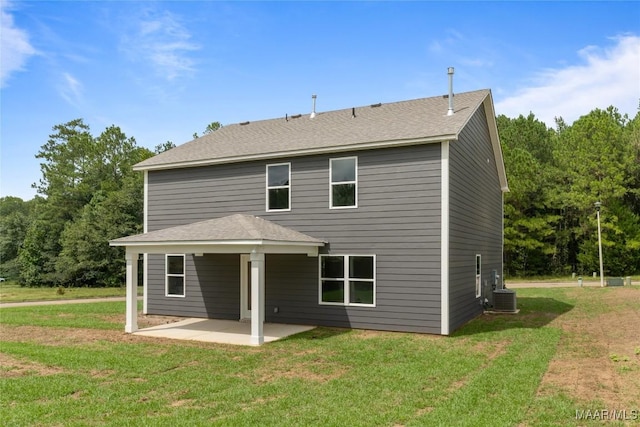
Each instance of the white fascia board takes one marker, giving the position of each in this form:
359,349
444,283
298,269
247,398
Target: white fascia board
215,243
495,142
298,153
490,114
227,248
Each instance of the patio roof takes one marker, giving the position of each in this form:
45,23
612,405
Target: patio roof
229,234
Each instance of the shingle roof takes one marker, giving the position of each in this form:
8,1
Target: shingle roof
423,119
233,228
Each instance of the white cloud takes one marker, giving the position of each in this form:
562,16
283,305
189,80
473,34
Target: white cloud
163,42
451,38
606,76
71,90
15,48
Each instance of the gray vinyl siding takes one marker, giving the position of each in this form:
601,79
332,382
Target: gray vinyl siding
397,219
212,287
475,205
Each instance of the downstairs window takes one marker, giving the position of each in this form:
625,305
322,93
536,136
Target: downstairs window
175,276
347,280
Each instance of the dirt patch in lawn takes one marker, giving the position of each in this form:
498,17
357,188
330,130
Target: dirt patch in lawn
79,336
491,349
56,336
144,320
598,357
312,371
12,367
307,365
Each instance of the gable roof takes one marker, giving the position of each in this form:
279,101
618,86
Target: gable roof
417,121
226,230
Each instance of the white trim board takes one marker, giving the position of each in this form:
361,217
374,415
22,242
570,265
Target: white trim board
145,257
444,239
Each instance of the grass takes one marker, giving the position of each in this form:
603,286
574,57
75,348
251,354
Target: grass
11,291
104,315
77,368
587,278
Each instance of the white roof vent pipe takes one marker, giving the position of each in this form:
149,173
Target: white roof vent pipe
313,107
450,73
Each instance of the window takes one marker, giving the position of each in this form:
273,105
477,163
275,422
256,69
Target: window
279,187
175,277
344,183
478,275
348,279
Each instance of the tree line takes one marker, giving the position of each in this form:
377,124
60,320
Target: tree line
89,194
556,176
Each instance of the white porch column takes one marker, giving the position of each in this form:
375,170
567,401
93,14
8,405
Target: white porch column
145,283
257,298
131,322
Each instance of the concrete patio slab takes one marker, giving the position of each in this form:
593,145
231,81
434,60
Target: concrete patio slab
220,331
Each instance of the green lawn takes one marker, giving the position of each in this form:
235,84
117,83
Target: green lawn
12,292
71,365
587,278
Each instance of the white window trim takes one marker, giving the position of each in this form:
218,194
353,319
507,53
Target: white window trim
267,188
345,280
331,183
167,275
478,266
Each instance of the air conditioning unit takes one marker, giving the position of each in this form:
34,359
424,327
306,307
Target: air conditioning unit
504,300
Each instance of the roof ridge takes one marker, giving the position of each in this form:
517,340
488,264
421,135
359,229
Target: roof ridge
247,224
414,121
348,109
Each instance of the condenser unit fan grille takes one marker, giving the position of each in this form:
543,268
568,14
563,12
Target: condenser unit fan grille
504,300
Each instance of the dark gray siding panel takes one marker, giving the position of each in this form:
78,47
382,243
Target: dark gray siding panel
288,279
398,219
212,287
475,201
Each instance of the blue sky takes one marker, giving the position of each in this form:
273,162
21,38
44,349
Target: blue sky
164,70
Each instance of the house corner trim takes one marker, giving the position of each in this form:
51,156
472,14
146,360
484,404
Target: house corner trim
444,239
145,256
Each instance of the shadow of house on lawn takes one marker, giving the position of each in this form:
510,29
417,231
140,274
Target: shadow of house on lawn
318,333
535,312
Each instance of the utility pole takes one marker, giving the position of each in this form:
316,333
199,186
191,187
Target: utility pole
598,204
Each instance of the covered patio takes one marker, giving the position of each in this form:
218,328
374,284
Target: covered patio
220,331
234,234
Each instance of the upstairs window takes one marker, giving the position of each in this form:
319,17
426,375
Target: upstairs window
279,187
175,276
344,183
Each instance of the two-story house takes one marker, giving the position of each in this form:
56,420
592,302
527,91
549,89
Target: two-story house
386,216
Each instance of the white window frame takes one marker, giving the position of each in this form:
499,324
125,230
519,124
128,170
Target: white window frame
478,275
346,280
277,187
331,183
167,275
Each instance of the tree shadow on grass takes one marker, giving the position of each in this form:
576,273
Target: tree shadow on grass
535,312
